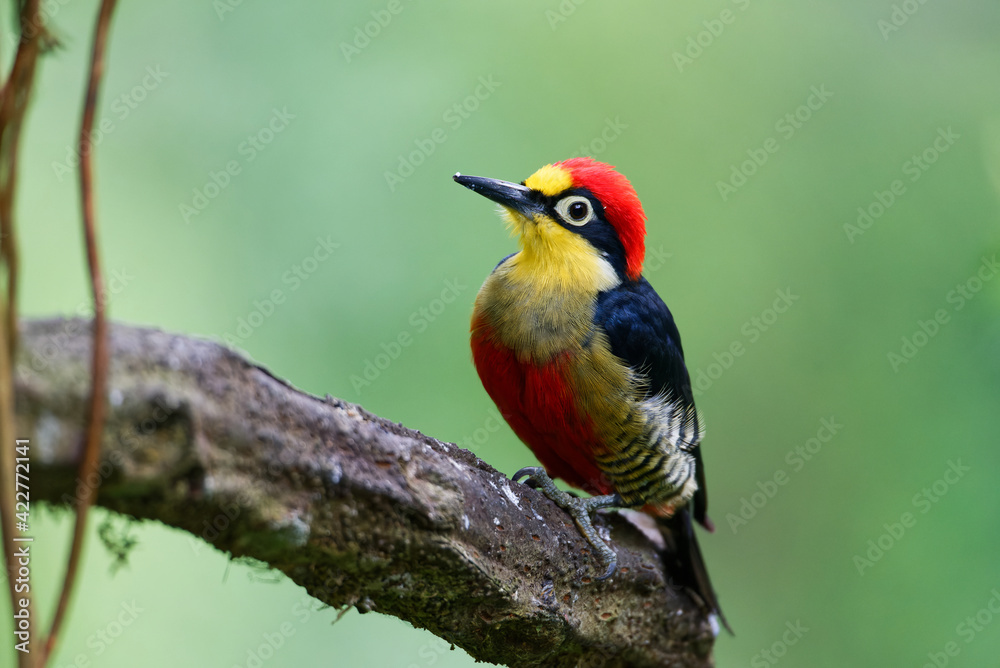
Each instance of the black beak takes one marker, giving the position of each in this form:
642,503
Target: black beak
511,195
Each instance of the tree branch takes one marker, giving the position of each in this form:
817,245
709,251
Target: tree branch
357,510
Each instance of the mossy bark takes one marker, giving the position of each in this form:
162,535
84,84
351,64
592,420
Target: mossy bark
357,510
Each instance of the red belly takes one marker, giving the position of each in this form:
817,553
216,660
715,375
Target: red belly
539,404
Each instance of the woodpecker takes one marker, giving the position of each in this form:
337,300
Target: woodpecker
584,361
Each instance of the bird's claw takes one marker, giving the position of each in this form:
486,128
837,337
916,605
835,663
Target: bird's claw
610,570
528,472
578,509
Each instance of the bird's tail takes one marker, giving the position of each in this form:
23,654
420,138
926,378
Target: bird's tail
683,560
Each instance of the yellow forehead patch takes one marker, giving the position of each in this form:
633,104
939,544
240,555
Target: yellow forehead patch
550,180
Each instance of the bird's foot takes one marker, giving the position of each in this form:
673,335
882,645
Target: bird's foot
579,509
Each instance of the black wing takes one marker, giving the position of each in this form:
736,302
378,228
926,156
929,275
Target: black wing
641,331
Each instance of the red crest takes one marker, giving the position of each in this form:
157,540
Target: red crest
621,206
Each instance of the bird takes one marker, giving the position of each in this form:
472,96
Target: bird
584,361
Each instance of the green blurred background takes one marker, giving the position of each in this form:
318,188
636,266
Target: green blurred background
678,98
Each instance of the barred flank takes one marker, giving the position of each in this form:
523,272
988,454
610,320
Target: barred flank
650,462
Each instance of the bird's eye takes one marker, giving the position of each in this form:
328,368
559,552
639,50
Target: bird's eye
575,210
